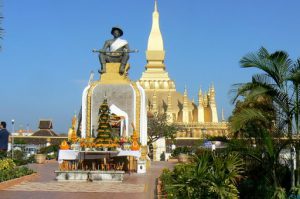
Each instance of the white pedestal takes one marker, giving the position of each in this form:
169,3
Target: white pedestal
141,166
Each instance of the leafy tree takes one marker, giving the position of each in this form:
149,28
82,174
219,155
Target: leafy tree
270,104
295,79
251,116
159,127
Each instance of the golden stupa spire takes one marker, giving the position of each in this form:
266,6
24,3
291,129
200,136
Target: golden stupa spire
212,94
155,53
212,88
72,131
185,111
185,97
155,75
205,99
200,92
200,97
155,40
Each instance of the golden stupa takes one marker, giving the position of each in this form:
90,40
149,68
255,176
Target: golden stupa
198,119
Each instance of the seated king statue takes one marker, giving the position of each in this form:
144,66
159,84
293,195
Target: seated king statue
115,50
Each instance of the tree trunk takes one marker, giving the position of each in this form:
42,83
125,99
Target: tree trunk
297,130
274,178
292,167
290,135
298,164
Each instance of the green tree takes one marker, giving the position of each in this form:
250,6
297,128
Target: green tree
263,169
294,77
159,127
273,85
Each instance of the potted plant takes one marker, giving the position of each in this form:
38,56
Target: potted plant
182,153
41,155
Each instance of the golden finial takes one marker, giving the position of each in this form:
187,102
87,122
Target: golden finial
185,90
212,88
200,91
155,6
74,121
72,131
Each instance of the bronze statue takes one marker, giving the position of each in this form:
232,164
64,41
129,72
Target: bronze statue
115,50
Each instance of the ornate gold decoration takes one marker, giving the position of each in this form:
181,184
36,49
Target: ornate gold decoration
135,145
138,107
64,145
89,107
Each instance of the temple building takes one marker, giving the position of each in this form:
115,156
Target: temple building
45,129
198,119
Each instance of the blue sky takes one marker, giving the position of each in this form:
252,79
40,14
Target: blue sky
46,55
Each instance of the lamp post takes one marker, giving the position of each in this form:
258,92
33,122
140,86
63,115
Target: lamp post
12,138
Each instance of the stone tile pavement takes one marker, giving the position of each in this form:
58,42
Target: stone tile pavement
115,187
134,186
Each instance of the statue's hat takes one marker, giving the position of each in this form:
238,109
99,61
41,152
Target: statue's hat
117,28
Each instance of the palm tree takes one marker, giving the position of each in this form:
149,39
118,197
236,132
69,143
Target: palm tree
255,122
295,79
273,84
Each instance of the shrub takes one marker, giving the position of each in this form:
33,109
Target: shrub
163,156
184,150
49,149
3,154
9,174
218,138
209,175
8,170
279,193
294,193
31,159
52,156
7,164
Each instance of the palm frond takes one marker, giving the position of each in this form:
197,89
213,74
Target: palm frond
241,119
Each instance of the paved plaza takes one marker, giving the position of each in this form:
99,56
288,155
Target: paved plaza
134,186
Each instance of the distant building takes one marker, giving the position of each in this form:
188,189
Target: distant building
23,132
45,129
